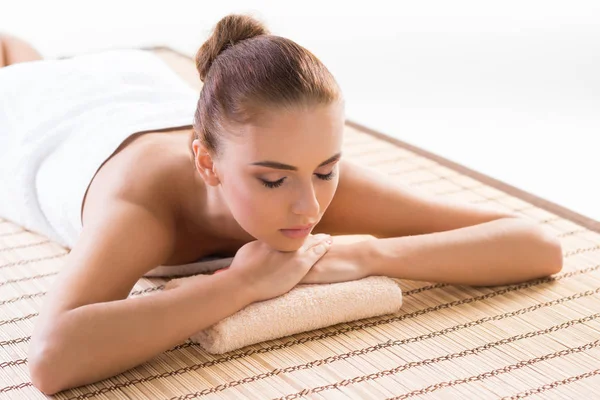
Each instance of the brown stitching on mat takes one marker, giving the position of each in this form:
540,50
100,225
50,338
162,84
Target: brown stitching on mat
581,250
502,370
349,327
422,337
571,233
25,246
430,361
13,363
393,343
552,219
32,260
442,332
27,278
15,341
15,387
489,181
17,319
23,297
424,289
552,385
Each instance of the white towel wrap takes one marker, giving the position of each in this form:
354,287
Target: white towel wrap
61,119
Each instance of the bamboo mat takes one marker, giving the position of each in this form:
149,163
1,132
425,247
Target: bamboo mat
539,339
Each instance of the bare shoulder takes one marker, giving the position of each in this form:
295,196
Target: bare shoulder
146,179
145,172
129,227
371,202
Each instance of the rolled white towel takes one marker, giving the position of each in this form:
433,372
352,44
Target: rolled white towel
306,307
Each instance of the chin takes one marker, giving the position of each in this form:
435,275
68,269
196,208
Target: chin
288,245
283,243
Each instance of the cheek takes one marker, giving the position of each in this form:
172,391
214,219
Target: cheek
251,205
327,193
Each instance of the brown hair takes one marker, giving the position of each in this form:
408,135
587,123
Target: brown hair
247,71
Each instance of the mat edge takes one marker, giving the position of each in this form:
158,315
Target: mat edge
538,201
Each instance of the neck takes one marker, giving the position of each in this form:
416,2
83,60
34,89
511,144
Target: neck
211,213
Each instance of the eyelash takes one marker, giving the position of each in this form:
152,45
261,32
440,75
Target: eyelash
276,184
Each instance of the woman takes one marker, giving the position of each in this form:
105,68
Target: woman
258,176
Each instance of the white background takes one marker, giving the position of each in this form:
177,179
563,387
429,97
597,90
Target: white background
508,88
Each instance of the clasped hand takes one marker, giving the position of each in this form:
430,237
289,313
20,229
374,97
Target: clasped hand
342,262
266,273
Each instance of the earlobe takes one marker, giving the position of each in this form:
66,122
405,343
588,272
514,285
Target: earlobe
204,164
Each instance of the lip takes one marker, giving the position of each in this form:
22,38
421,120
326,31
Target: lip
300,227
297,233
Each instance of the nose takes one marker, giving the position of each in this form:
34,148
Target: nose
307,204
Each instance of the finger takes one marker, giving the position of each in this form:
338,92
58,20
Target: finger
313,240
314,254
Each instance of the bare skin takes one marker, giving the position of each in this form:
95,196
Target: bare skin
15,50
153,203
178,201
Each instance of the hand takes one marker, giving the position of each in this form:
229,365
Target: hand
269,273
343,262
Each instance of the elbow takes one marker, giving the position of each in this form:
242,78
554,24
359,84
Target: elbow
43,371
554,253
549,251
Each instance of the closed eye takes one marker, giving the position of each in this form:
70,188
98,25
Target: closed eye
326,177
278,183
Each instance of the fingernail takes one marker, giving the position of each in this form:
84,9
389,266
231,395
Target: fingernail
320,249
329,241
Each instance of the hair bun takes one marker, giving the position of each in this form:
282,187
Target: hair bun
230,30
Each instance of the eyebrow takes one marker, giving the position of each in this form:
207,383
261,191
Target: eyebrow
278,165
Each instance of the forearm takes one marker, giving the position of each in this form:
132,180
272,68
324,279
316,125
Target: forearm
100,340
499,252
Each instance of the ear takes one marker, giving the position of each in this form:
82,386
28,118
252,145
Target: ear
204,163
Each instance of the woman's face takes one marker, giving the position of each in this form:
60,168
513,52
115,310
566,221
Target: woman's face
283,174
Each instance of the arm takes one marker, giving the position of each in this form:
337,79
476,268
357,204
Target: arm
89,329
499,252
